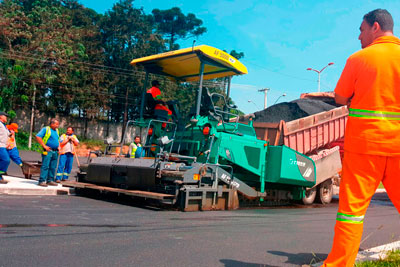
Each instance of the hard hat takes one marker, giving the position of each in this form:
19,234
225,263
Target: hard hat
13,127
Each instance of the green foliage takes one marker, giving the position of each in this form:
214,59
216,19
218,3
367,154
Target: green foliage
38,43
392,260
76,61
237,55
173,24
127,33
11,114
22,139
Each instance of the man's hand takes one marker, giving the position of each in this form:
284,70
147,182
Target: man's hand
47,148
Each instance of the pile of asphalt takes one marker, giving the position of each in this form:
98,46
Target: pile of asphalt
289,111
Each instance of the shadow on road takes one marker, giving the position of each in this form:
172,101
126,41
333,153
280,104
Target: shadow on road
234,263
300,258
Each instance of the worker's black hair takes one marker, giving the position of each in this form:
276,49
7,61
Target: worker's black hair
137,136
382,16
53,120
155,82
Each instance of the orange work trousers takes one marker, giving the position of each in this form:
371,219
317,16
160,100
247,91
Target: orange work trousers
361,176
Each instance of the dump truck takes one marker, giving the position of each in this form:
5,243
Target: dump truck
313,136
207,160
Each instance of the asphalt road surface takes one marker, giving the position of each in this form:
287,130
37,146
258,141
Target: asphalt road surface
106,231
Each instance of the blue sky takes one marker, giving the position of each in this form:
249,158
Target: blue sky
280,40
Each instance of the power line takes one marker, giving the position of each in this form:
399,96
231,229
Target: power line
106,70
277,72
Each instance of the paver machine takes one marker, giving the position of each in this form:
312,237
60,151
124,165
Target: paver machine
205,161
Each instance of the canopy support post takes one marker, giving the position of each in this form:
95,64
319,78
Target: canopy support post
228,90
200,90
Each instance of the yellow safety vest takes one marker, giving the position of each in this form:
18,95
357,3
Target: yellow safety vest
46,138
134,148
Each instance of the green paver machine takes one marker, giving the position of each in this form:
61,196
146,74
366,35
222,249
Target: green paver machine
209,160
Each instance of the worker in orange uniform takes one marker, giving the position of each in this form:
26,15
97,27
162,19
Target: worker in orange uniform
161,110
370,86
12,145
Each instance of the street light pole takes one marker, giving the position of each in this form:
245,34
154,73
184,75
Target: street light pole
250,101
265,90
319,74
282,95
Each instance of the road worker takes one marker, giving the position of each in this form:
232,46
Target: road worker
12,144
161,110
4,157
48,138
370,86
68,141
135,148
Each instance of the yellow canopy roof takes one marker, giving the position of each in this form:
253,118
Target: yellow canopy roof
184,64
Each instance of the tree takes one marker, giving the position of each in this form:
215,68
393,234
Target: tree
127,33
237,55
47,52
174,25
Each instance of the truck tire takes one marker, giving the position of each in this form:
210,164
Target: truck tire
325,192
310,195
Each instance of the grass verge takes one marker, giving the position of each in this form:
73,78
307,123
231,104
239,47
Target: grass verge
392,260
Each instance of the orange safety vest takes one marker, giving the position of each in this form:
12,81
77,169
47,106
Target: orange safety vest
156,94
371,78
62,147
11,143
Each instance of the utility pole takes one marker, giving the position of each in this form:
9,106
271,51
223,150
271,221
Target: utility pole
32,116
265,90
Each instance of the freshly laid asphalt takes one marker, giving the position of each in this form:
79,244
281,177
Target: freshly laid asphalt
106,230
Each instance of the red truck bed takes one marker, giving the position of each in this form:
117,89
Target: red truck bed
308,134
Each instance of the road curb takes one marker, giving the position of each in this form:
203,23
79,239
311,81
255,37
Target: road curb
371,254
377,253
27,187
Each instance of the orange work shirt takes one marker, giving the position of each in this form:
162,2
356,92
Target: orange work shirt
156,94
371,78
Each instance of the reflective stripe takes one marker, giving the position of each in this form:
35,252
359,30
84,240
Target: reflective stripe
46,137
349,218
372,114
